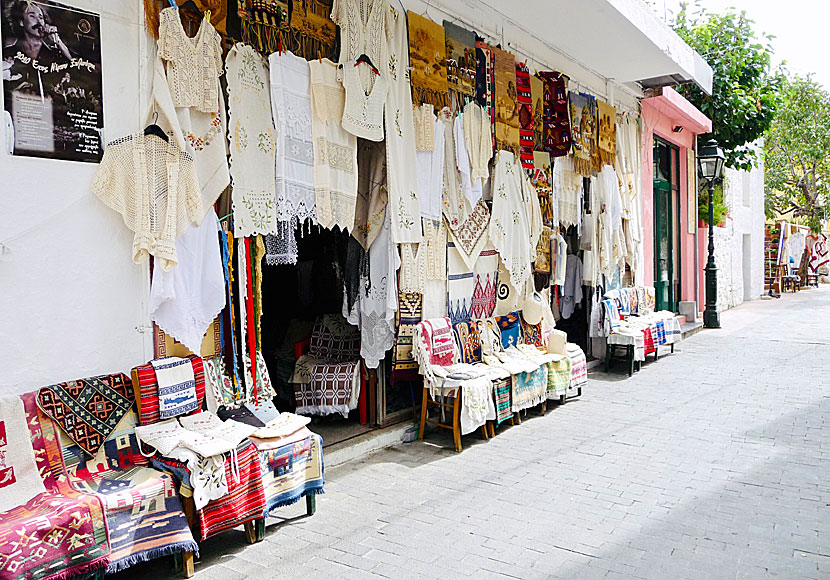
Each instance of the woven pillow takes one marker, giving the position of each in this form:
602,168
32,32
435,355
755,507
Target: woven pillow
532,333
148,404
334,340
511,329
469,342
88,410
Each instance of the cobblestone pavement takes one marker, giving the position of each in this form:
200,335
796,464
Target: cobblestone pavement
713,462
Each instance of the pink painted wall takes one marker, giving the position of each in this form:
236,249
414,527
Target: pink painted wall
659,119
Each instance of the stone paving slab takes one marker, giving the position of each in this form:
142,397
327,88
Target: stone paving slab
713,462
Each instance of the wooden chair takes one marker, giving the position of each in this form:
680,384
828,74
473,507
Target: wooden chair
455,407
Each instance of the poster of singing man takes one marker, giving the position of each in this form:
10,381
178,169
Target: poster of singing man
52,87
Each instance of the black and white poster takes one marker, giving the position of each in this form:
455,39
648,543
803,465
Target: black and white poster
52,88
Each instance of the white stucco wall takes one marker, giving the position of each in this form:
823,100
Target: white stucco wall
72,303
744,194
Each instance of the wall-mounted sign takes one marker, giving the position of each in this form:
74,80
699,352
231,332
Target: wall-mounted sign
52,87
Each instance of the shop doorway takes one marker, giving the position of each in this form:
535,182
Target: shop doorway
667,274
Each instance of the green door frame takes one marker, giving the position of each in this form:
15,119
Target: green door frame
668,191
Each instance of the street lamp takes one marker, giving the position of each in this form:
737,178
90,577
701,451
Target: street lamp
710,159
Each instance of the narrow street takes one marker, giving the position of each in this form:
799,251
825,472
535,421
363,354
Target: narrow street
710,463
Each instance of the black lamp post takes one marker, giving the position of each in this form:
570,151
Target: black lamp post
710,159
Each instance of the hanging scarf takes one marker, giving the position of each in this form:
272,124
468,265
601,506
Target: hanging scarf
607,133
372,195
428,61
486,84
461,62
525,102
455,207
584,122
555,116
537,95
542,180
507,109
402,174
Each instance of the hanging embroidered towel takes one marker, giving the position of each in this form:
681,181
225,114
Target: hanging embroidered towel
194,64
402,174
294,157
176,386
335,149
152,183
251,136
471,236
19,476
428,59
461,61
507,108
584,122
485,274
606,133
525,103
460,286
555,114
184,302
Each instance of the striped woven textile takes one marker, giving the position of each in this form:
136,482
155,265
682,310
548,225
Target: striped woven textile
661,332
559,377
579,366
648,339
246,497
501,391
529,389
147,392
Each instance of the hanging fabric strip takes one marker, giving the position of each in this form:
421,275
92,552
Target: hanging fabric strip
525,102
428,59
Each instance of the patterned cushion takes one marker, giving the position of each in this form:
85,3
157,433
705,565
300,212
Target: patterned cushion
469,342
148,404
88,410
334,340
489,336
511,329
532,333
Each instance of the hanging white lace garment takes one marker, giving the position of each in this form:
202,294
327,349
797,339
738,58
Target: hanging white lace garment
153,185
424,117
185,301
281,248
202,135
194,64
513,222
413,275
374,312
456,207
251,136
291,105
429,166
469,187
478,137
402,180
335,149
362,31
435,287
567,186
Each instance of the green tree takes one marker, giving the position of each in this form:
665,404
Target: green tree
744,89
797,153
